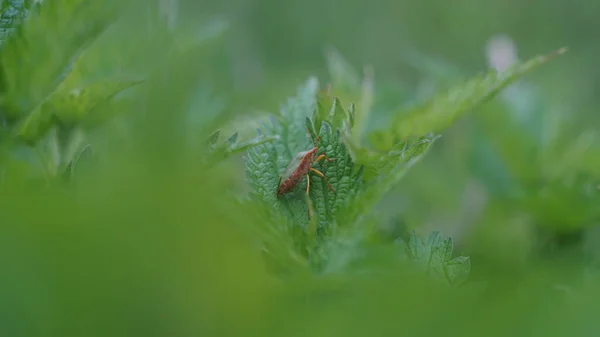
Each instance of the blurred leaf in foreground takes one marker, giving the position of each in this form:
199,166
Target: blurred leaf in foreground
38,56
434,257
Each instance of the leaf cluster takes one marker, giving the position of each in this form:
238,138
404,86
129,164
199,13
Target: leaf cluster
69,68
369,162
58,83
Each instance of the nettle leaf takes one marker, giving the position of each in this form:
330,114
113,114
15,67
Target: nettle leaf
35,60
433,257
266,163
71,107
328,110
77,154
77,105
60,151
359,175
343,75
442,72
81,84
564,203
38,58
382,171
348,84
83,155
281,252
442,110
213,139
231,146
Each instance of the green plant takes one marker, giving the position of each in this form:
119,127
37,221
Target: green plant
367,165
161,224
73,69
533,158
433,256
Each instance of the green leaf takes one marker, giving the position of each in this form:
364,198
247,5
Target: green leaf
84,154
458,269
232,146
71,107
382,171
433,257
80,105
353,196
36,60
329,109
343,75
267,162
431,67
281,253
442,110
340,173
59,151
213,139
233,139
360,176
349,85
294,114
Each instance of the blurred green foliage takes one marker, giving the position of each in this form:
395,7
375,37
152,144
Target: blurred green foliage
141,149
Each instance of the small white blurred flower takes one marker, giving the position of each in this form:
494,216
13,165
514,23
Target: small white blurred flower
501,52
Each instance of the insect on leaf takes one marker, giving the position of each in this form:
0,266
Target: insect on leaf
293,166
267,162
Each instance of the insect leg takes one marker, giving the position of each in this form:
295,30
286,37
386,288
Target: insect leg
320,174
278,184
308,207
326,158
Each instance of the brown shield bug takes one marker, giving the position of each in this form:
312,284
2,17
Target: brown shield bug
300,166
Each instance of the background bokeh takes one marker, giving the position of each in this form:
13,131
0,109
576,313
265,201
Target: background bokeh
272,40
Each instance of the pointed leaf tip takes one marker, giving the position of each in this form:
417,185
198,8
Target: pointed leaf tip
442,110
233,138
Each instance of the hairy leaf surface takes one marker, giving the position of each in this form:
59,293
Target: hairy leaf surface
294,127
